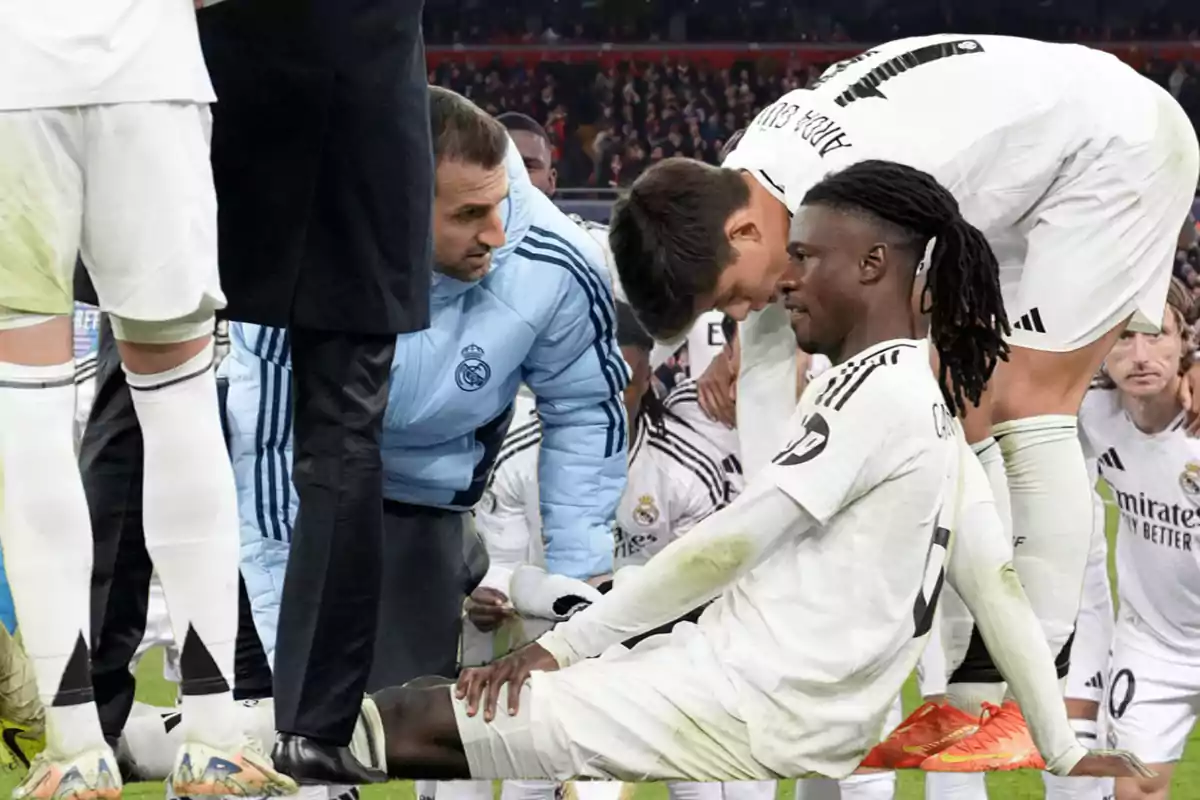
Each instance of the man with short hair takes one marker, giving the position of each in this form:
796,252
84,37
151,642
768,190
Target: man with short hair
1080,202
533,143
519,296
1134,426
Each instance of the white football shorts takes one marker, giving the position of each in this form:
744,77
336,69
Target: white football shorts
127,186
652,713
1152,703
1099,247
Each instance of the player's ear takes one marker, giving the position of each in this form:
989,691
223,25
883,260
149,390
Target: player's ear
742,225
874,264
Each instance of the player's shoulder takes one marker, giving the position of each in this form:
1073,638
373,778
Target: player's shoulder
1101,404
892,377
682,458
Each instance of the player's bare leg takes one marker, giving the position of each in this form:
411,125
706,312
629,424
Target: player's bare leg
1156,788
420,734
1034,458
46,534
190,508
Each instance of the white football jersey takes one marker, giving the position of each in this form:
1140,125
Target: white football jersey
993,118
60,53
677,477
821,635
508,516
1155,479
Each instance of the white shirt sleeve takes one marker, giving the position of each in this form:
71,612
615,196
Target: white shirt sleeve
503,525
982,573
766,388
689,572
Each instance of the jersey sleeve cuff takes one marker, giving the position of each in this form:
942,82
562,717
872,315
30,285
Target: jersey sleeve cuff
1062,765
556,644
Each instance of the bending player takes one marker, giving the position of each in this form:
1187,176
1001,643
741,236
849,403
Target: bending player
1136,430
1060,154
755,690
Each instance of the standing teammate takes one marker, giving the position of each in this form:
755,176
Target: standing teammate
104,134
755,690
1077,170
1136,431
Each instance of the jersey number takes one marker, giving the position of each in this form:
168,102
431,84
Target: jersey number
868,85
931,583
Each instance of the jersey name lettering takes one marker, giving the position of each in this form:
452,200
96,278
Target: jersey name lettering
818,130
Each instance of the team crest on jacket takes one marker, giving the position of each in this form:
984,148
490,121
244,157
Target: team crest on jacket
473,372
1189,481
645,512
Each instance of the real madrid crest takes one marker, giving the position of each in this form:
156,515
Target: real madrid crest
645,512
473,372
1189,481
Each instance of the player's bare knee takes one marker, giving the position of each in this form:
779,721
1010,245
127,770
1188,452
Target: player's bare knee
151,348
418,725
34,340
1156,788
1078,708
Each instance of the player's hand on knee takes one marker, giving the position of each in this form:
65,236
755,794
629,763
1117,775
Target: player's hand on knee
488,608
1111,764
481,686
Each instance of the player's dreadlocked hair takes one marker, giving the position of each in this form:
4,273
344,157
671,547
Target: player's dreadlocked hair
962,293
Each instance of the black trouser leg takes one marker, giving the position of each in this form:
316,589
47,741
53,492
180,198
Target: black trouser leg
251,671
430,564
110,460
331,589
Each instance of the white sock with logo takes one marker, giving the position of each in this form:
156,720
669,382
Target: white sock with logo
955,786
46,533
1052,516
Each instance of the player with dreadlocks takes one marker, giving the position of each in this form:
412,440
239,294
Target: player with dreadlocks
785,673
1075,168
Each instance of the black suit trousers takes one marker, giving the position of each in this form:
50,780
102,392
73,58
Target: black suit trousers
331,591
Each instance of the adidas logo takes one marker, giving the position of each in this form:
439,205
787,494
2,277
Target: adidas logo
1095,682
1030,321
1111,459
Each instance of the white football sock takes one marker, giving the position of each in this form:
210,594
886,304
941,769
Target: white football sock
970,697
528,790
1051,516
1087,731
153,735
869,786
47,538
688,790
537,593
955,786
465,790
425,790
749,790
191,524
817,789
598,790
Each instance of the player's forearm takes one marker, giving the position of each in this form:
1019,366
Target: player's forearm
981,571
766,385
689,572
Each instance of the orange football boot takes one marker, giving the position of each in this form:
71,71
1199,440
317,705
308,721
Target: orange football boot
1002,743
928,730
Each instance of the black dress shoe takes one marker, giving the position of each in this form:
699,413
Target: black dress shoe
310,762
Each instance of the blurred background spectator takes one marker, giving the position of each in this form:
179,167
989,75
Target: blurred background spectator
620,84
